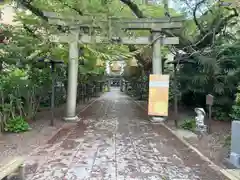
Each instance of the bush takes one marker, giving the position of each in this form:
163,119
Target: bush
189,124
16,125
227,142
235,115
220,114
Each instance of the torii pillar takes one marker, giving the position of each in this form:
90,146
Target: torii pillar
157,65
72,78
156,58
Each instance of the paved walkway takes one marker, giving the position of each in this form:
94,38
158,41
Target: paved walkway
114,141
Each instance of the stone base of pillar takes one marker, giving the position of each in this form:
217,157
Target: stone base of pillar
235,159
72,119
157,119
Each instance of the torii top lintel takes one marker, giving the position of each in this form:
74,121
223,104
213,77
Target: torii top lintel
155,24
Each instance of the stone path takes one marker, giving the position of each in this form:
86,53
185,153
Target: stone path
114,141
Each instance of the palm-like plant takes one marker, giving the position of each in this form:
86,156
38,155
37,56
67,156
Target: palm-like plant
215,72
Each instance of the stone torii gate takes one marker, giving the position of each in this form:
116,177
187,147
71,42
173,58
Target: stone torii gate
73,38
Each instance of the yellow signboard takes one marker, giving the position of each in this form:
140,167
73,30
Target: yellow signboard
158,95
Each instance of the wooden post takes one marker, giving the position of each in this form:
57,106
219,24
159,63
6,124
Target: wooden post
209,118
109,85
209,102
72,79
53,93
175,96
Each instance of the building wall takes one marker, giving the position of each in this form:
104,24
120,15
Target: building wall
8,13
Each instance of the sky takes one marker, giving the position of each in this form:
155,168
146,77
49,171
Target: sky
171,4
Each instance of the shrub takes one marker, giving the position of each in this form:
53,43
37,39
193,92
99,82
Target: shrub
189,124
16,125
220,114
227,142
235,115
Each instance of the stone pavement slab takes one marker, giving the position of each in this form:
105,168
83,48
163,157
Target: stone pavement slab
115,141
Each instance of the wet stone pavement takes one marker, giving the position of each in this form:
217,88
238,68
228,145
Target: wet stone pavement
115,141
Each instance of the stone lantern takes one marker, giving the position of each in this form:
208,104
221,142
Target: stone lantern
200,125
133,62
131,67
115,67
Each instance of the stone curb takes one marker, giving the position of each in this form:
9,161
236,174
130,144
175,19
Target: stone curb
89,105
212,165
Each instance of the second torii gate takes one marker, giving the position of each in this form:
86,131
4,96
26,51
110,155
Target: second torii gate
73,38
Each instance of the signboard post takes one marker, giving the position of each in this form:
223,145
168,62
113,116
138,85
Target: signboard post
158,95
209,102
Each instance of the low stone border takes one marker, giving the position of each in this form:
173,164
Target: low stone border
212,165
89,105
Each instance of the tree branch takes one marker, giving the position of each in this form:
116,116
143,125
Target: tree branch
215,28
33,9
206,35
195,17
71,7
29,30
134,7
